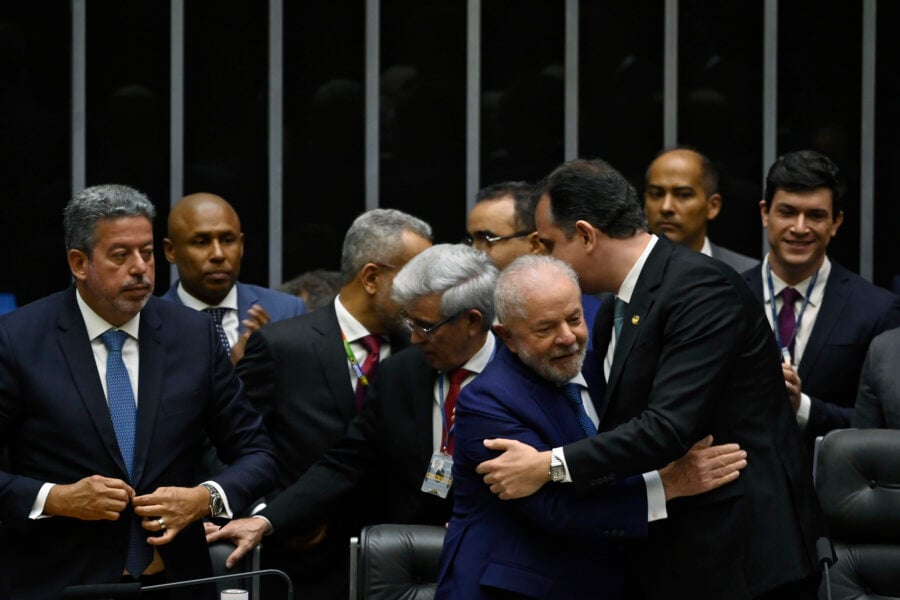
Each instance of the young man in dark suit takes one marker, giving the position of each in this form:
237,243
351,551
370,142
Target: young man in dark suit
103,405
833,314
308,376
688,354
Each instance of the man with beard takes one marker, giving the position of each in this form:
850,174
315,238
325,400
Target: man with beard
555,543
308,376
206,244
102,407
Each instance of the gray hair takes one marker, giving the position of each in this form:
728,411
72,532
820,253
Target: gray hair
465,277
94,204
521,275
375,237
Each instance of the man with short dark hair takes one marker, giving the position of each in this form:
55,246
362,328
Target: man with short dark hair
501,223
688,353
825,328
206,244
309,375
105,392
682,197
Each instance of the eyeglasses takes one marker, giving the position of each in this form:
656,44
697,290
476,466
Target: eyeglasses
427,331
485,237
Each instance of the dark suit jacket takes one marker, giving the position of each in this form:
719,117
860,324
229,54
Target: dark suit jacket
696,356
391,439
296,374
55,422
878,400
279,305
853,312
553,544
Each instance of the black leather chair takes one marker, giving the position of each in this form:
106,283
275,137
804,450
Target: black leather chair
218,554
858,483
395,562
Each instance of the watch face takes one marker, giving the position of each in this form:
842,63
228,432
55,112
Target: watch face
557,473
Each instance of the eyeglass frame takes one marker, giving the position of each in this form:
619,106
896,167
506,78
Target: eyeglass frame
427,332
493,239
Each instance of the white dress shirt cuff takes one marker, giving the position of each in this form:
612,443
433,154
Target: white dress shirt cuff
37,509
656,497
803,411
226,508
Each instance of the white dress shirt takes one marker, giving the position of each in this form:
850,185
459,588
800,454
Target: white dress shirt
231,321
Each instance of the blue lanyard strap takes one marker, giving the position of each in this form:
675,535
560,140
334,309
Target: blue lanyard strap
806,297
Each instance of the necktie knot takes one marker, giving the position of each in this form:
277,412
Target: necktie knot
457,376
790,295
372,343
217,313
113,339
573,393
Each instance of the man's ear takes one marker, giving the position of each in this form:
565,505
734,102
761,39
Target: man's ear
78,262
535,246
713,206
169,250
504,334
474,320
763,213
368,275
586,234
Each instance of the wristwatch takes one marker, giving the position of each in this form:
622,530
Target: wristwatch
216,506
557,469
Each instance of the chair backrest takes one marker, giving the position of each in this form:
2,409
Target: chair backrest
218,554
858,484
394,562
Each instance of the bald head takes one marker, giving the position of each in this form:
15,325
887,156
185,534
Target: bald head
205,243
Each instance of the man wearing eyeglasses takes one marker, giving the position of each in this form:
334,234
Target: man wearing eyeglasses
501,223
308,376
400,447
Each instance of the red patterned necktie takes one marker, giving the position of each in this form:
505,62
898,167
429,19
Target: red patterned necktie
456,377
372,344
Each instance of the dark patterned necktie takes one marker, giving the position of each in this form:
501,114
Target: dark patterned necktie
619,316
217,315
787,319
573,393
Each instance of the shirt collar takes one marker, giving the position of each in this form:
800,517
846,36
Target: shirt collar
627,287
480,359
230,300
707,247
97,325
779,284
352,328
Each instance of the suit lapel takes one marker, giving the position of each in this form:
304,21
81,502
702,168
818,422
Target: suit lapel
421,397
79,356
642,301
329,348
603,323
753,278
837,294
150,385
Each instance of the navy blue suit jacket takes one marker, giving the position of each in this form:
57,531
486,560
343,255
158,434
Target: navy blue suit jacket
853,312
553,544
278,304
55,423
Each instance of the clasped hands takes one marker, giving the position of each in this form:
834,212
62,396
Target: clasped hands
166,511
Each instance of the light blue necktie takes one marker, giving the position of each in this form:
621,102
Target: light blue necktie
123,411
217,315
619,316
573,393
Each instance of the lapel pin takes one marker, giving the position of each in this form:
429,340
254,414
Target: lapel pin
635,320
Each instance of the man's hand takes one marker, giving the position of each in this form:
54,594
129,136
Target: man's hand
519,472
176,507
792,383
93,498
245,533
702,469
256,318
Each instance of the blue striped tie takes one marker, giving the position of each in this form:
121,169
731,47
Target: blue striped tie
123,411
573,393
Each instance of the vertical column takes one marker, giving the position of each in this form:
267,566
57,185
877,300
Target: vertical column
276,139
373,84
670,75
473,101
176,108
79,94
571,82
770,93
867,143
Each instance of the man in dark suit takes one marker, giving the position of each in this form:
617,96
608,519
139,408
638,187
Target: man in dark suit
307,377
447,295
833,314
682,197
206,244
555,543
878,399
689,354
102,406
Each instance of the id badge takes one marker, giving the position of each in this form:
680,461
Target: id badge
439,476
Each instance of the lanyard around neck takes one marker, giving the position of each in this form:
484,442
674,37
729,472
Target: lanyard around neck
812,283
354,364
